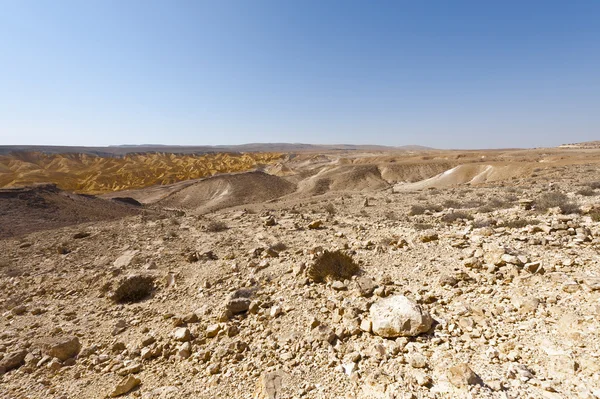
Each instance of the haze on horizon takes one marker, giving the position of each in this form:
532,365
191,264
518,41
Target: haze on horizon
462,74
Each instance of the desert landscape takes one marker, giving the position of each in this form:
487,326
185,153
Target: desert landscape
289,271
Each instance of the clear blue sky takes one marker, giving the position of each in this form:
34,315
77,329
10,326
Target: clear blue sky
447,74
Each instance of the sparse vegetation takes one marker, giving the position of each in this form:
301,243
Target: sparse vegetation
215,226
451,203
595,216
454,216
422,226
480,223
332,265
330,209
279,247
587,192
554,200
133,289
518,223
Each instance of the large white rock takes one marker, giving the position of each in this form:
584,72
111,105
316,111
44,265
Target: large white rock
398,316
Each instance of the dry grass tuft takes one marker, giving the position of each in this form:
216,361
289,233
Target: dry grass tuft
333,265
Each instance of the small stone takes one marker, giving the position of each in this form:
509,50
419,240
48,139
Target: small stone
238,305
461,375
315,225
182,334
365,325
269,386
275,311
212,330
126,385
366,286
214,369
185,350
418,361
338,286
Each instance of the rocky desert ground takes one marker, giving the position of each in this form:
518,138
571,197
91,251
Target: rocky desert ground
321,274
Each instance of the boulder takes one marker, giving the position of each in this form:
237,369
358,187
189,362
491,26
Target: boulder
398,316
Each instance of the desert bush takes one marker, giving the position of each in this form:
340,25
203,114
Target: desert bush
133,288
594,185
417,210
332,265
556,199
595,216
454,216
391,215
422,226
519,223
587,192
330,209
214,226
479,223
279,247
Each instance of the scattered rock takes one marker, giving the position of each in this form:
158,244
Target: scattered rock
398,316
125,386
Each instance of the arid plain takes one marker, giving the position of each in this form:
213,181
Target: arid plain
285,272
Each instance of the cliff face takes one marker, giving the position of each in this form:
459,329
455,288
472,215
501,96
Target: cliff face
92,174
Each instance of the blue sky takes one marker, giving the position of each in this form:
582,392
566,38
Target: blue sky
446,74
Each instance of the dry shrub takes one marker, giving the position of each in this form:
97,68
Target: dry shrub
553,200
422,226
330,209
417,210
519,223
421,209
480,223
450,203
332,265
279,246
215,226
587,192
595,216
595,185
133,288
454,216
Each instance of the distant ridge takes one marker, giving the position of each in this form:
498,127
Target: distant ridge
251,147
586,144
